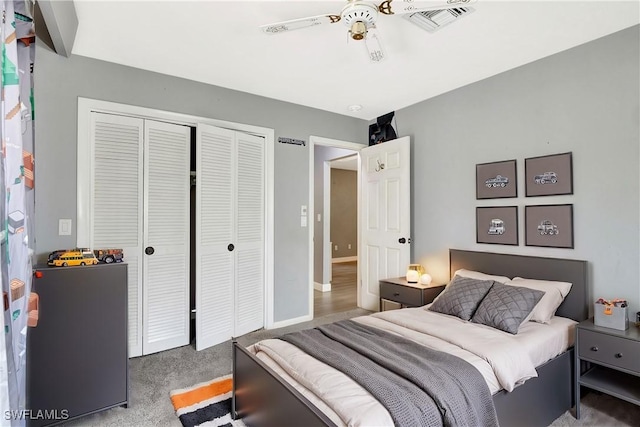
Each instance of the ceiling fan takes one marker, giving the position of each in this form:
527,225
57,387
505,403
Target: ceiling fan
360,16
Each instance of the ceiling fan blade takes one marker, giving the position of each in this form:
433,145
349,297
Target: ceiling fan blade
398,7
295,24
373,44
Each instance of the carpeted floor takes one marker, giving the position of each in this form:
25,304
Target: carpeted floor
153,377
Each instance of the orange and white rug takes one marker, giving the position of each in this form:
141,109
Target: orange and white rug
206,404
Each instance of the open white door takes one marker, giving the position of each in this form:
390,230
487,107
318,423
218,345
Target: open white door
166,236
215,212
385,216
230,224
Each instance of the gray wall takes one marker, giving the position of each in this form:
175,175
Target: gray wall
60,81
584,100
344,212
320,155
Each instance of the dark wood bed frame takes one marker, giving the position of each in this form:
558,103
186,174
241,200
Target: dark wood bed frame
262,398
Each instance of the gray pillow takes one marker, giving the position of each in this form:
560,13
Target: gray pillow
461,297
505,307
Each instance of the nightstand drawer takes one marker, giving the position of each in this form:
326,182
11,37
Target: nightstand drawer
401,294
612,350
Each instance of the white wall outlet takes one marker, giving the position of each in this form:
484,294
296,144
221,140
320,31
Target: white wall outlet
303,221
64,227
319,217
349,246
335,248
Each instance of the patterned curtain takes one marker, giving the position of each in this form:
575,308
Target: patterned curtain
17,199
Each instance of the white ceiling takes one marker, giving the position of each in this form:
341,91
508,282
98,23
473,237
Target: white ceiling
219,42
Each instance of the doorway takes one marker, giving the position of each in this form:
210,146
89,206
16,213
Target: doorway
333,286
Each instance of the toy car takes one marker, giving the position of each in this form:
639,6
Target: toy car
72,257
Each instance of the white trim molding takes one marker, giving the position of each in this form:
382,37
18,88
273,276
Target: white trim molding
344,259
289,322
322,287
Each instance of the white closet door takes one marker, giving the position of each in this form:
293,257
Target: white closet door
215,219
166,236
249,234
117,203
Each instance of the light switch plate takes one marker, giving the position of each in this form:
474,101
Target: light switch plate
303,210
64,227
303,221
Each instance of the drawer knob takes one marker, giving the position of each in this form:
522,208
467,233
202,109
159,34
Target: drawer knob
397,294
618,355
594,348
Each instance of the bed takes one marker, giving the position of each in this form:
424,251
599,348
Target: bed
262,396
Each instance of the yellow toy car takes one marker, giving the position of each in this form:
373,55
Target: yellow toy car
72,257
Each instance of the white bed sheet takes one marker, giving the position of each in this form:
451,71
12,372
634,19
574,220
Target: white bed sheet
347,403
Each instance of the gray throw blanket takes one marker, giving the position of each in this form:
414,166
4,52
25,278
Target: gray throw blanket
417,385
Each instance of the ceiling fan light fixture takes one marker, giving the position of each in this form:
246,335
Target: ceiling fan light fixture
358,30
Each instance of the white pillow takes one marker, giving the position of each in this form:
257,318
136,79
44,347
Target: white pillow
480,276
554,294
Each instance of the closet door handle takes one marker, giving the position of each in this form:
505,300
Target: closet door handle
149,250
230,248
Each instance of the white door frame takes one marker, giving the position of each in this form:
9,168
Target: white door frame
83,219
313,141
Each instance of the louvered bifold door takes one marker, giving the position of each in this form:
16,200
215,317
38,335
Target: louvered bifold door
117,203
249,230
215,219
166,233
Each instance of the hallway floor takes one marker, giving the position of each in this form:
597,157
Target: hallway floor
343,295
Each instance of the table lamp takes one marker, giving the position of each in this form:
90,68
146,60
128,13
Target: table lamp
414,272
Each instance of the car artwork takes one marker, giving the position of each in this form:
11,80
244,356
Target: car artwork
547,228
497,181
546,178
496,226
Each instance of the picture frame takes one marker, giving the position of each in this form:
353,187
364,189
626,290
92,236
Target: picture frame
549,175
496,180
549,226
497,225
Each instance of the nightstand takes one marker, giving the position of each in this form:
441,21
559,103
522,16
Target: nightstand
398,290
613,365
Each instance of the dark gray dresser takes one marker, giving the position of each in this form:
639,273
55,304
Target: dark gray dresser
77,358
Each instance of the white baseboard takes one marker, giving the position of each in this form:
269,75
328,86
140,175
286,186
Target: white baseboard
322,287
344,259
290,322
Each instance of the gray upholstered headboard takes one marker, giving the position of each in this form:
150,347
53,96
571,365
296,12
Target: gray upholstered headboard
575,305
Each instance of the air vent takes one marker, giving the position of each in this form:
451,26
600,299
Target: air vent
433,20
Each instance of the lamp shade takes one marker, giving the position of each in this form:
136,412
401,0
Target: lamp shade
417,270
413,276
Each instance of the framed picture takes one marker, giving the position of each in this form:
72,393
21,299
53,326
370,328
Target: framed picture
497,225
496,180
549,226
548,175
